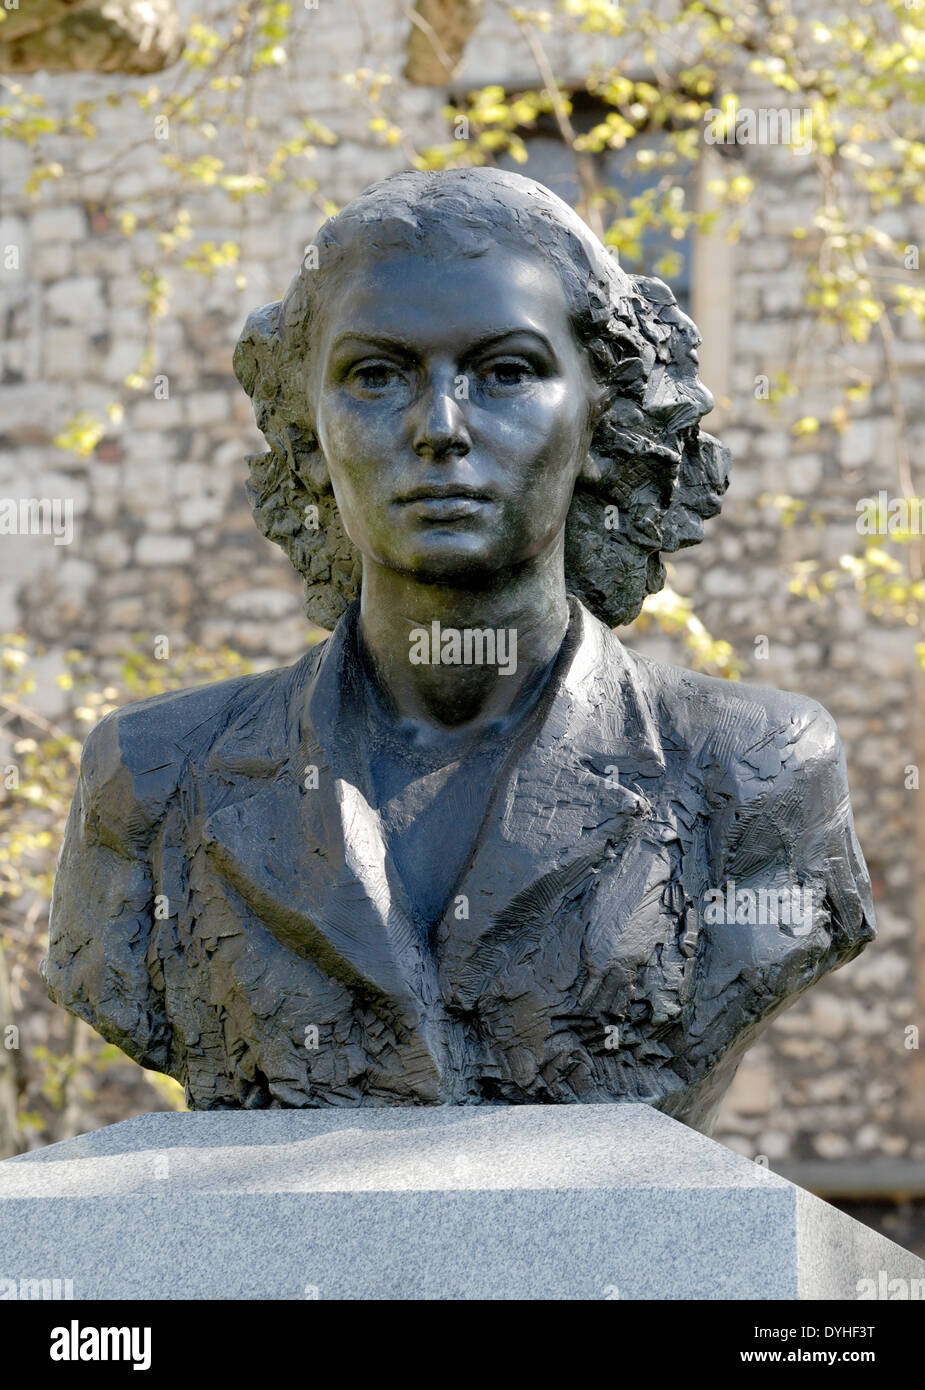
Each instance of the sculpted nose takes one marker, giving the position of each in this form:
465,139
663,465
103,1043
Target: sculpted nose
441,429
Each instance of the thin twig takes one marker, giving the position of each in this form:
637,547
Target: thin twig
587,176
433,38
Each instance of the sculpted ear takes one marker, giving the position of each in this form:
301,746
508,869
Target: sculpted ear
307,460
592,471
595,466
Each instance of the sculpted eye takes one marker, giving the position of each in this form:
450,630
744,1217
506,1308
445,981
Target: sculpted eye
509,371
374,376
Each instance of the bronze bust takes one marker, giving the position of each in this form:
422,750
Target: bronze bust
470,849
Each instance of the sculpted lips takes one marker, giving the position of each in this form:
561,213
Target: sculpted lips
444,501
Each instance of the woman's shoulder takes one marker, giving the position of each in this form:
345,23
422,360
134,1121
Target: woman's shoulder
775,783
151,728
735,722
133,759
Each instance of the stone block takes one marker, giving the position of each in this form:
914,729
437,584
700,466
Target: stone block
78,299
162,549
67,223
443,1202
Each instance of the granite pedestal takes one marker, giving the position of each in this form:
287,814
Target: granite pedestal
524,1202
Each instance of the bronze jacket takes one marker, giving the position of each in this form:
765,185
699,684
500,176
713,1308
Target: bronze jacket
229,917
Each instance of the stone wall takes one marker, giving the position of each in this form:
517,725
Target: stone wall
165,543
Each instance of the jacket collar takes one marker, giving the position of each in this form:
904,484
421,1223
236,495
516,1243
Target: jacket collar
300,841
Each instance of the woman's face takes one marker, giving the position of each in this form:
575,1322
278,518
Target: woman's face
453,408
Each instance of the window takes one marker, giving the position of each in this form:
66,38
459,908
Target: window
551,162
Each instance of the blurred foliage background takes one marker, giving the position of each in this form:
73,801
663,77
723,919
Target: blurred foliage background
860,79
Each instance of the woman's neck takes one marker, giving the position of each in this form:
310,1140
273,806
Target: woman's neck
458,658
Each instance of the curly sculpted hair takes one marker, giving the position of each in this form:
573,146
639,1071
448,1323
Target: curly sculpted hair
652,477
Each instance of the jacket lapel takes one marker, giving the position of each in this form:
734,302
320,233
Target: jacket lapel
312,862
561,808
306,849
